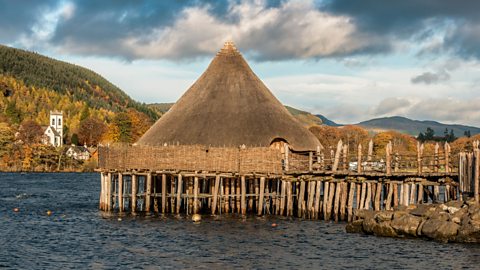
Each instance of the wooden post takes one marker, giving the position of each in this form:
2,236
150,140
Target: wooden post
447,157
331,194
120,192
358,197
413,193
369,196
179,193
260,200
244,193
388,202
301,198
290,198
282,198
164,193
155,192
359,158
343,200
134,193
318,155
436,193
337,156
370,150
102,191
406,188
345,157
420,194
172,193
215,193
109,192
317,199
326,190
195,195
388,152
477,173
227,194
351,193
251,188
378,196
362,196
419,157
435,158
395,195
337,200
148,193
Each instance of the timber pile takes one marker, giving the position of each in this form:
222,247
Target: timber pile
455,221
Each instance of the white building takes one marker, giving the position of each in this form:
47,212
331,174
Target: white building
78,152
54,132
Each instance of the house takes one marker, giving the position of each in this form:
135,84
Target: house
78,152
54,132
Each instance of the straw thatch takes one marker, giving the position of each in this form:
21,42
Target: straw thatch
229,106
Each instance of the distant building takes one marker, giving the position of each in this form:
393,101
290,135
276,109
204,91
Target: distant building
78,152
54,132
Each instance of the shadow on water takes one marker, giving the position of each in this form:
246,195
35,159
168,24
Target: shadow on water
77,235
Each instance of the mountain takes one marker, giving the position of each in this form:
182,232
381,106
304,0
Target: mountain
327,121
64,79
414,127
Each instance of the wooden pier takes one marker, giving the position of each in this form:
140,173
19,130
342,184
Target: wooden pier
266,181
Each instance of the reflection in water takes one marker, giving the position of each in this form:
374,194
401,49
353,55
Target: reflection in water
77,235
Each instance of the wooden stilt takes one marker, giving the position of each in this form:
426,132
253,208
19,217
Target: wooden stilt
250,198
351,194
436,193
476,178
257,193
363,195
289,198
134,193
148,192
155,192
369,196
402,194
343,200
420,194
244,192
331,194
337,156
227,195
238,195
413,193
261,198
378,195
326,190
406,197
388,203
195,195
336,204
282,199
395,195
172,194
301,199
316,212
358,195
179,193
164,193
120,192
215,194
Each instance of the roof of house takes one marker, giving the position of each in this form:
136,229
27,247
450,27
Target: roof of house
229,106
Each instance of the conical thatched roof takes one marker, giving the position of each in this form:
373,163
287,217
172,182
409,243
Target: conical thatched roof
229,105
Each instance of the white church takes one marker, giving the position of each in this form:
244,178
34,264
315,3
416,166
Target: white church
54,132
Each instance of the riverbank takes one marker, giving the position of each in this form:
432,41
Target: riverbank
455,221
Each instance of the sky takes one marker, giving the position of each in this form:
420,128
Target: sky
348,60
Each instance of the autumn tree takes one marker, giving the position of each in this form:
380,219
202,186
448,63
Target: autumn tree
327,135
90,131
6,138
353,135
140,124
400,142
124,126
30,132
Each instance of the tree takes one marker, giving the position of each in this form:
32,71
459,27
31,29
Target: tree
429,134
124,124
91,131
30,132
13,113
327,135
467,133
6,138
74,140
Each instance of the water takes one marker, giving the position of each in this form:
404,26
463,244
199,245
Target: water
78,236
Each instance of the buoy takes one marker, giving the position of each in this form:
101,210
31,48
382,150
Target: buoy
196,218
274,225
16,209
49,213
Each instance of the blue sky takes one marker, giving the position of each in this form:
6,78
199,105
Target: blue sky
348,60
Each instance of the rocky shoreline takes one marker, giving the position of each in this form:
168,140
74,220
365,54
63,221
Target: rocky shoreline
455,221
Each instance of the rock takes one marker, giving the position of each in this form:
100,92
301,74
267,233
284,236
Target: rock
354,227
406,224
443,216
475,216
384,229
443,207
471,202
423,210
400,208
456,220
411,206
452,210
440,230
468,233
473,209
363,213
368,225
456,204
399,214
384,216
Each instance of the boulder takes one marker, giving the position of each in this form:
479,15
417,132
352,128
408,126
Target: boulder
354,227
440,230
368,225
406,225
475,215
456,204
384,229
363,213
443,216
384,216
423,210
468,233
399,214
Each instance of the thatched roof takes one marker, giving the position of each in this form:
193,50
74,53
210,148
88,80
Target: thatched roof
229,105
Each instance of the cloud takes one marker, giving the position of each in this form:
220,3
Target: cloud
391,106
452,110
431,77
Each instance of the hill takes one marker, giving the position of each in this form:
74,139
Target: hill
327,121
31,85
414,127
